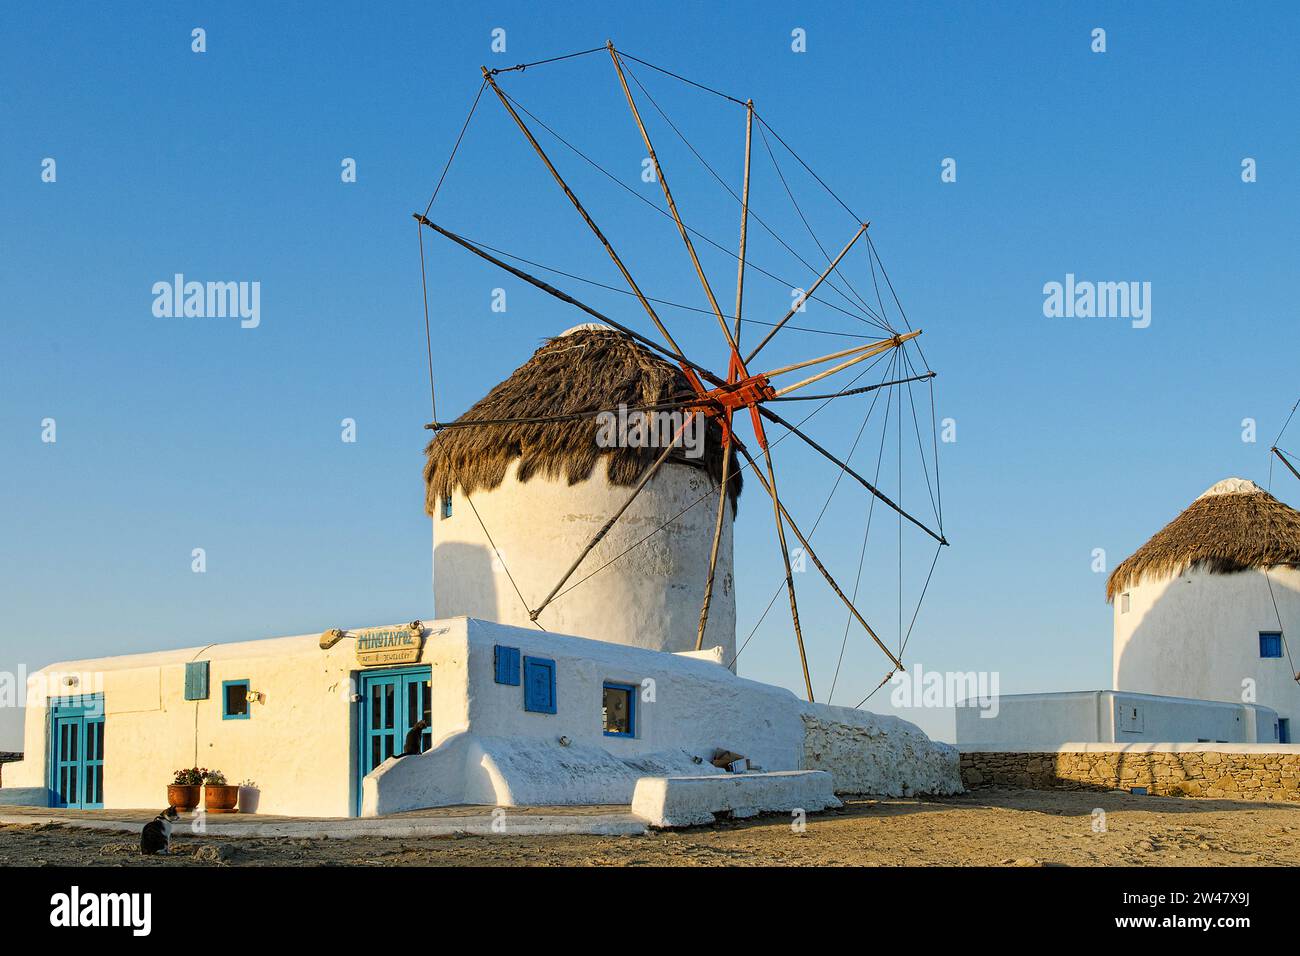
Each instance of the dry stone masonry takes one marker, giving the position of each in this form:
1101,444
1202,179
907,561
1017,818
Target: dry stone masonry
1204,773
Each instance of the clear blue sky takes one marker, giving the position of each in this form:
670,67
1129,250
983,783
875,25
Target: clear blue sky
1072,434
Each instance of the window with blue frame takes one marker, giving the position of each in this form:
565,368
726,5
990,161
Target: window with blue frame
234,699
618,710
1270,643
446,506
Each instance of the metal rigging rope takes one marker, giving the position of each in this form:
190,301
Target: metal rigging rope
749,263
752,213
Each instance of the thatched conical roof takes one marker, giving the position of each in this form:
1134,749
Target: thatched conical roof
1235,525
587,368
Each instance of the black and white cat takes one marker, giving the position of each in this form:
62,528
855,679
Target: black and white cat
156,837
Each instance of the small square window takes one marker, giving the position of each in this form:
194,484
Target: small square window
618,710
1270,644
1123,603
234,700
446,506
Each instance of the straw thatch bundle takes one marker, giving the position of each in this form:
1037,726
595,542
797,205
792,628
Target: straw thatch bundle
585,369
1234,526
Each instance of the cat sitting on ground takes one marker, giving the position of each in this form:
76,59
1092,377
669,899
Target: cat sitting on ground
156,837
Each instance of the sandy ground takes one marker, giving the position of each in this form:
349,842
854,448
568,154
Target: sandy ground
985,828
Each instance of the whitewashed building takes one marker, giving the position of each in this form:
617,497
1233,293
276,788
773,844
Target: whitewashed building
1202,616
515,711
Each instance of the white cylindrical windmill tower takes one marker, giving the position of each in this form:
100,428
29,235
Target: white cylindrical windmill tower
1209,608
514,503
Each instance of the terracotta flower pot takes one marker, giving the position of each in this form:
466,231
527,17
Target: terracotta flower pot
183,797
220,798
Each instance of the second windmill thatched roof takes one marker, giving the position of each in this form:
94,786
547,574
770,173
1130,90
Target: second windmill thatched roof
1234,526
586,369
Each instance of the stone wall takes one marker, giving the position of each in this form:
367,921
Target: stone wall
876,753
1174,773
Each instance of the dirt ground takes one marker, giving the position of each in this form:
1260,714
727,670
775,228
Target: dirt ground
984,828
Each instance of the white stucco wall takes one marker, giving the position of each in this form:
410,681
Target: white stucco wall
296,744
299,742
1042,722
650,598
515,757
1197,636
876,753
688,708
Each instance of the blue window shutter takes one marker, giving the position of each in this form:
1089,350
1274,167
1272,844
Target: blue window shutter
1270,644
196,680
506,660
539,685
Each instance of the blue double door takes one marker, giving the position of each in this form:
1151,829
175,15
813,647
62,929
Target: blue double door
392,702
77,752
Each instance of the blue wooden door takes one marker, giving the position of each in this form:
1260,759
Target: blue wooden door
392,702
77,752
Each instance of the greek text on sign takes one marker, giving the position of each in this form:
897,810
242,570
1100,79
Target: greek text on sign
388,646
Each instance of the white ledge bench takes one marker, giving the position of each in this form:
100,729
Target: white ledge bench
693,801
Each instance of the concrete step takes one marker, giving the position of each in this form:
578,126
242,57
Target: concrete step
694,801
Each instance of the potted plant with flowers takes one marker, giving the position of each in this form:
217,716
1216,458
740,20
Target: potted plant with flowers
218,796
183,791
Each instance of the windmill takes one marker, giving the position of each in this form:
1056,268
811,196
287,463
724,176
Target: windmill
741,398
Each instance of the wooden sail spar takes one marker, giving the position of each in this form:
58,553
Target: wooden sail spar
717,396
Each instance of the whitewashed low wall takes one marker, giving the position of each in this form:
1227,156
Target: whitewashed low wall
689,709
871,753
1092,747
516,772
1043,721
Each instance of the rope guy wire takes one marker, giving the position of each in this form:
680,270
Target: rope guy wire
678,76
657,301
424,280
897,301
781,586
811,232
866,533
710,494
497,551
919,601
722,182
554,59
749,263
